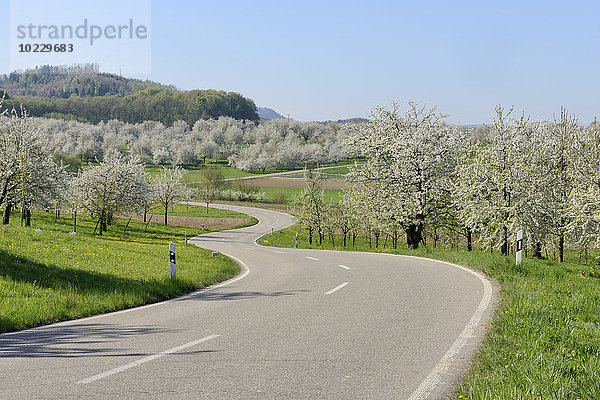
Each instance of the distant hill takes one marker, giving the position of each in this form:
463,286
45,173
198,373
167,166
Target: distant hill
267,113
84,93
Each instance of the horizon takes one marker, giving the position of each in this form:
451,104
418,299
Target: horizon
319,62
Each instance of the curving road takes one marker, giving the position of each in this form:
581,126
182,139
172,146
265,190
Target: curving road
296,324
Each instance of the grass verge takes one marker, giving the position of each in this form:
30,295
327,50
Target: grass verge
49,275
544,342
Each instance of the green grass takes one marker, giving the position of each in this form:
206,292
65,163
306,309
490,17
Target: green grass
50,275
544,342
336,170
194,174
275,193
199,211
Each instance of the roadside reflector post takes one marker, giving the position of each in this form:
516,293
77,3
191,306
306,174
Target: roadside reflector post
519,247
202,227
186,238
215,253
172,259
296,240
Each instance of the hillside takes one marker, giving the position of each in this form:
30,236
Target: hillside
268,113
83,93
79,80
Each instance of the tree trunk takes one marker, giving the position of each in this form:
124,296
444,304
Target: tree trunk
309,235
345,239
6,215
469,239
27,216
74,221
504,248
145,212
127,225
166,211
561,247
537,250
414,235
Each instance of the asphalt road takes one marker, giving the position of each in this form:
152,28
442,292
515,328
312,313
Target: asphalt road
296,324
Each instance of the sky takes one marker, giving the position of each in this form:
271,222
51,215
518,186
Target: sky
329,60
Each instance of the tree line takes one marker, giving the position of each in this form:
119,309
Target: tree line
83,93
30,178
274,144
151,104
424,178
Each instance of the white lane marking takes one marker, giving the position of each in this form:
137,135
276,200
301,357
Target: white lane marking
144,360
312,258
449,359
248,248
279,252
335,289
343,266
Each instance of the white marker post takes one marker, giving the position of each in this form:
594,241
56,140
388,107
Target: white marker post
296,240
519,247
172,258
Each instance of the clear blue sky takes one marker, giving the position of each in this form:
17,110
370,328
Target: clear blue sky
321,60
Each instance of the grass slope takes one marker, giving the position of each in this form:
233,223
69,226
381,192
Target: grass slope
544,342
49,275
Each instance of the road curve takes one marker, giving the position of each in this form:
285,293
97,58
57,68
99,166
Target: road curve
295,324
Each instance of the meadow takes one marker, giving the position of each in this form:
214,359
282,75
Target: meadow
48,274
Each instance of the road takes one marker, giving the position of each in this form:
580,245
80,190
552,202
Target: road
295,324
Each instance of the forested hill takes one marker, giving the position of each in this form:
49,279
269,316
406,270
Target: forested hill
84,93
64,82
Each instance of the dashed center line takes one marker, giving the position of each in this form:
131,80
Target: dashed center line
144,360
343,266
279,252
312,258
335,289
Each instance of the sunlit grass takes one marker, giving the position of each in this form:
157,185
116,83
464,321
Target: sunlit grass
48,274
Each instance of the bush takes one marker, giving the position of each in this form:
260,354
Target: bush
279,197
236,195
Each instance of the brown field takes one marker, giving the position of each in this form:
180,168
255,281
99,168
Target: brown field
290,183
